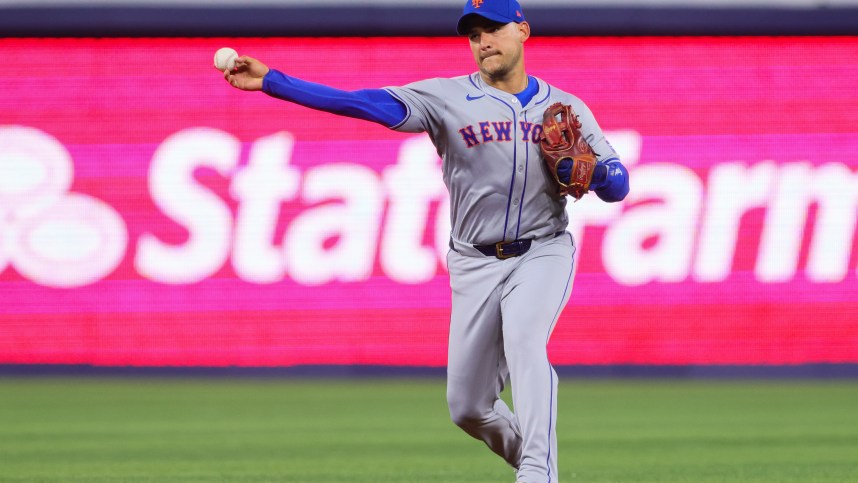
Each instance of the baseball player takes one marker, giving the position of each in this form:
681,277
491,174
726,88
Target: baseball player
511,259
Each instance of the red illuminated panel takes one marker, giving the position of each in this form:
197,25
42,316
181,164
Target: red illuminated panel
150,215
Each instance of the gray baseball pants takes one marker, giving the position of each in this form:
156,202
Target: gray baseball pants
503,313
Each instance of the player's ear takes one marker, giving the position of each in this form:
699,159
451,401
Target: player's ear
523,31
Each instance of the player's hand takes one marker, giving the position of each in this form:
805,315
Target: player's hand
247,74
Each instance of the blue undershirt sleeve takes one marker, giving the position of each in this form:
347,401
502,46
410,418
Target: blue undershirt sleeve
376,105
610,181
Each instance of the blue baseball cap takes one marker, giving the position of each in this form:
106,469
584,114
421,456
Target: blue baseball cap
502,11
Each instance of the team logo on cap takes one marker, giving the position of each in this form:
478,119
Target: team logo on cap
476,3
518,13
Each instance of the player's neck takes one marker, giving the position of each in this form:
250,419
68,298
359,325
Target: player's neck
513,83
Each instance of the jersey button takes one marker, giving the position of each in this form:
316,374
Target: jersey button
520,168
515,201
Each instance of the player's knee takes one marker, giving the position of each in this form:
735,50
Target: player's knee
466,420
463,413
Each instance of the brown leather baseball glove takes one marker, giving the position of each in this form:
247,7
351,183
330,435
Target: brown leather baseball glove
569,157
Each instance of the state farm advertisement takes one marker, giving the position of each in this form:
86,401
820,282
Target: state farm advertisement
151,215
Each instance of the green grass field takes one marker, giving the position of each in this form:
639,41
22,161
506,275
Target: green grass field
395,430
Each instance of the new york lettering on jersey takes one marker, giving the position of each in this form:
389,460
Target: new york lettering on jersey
498,131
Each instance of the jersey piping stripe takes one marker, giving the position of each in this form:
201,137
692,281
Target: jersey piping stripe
547,95
515,136
471,78
407,110
550,370
568,281
526,166
550,418
523,188
514,159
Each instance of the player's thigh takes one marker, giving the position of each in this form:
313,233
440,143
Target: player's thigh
537,292
475,345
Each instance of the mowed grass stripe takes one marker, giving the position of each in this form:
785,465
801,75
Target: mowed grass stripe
398,430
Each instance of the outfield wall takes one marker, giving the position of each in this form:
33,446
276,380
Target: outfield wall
296,18
152,216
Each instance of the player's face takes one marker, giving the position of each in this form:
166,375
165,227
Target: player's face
498,48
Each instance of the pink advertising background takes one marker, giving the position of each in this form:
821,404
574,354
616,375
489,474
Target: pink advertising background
696,103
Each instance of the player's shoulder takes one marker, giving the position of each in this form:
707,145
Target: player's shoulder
439,84
578,105
462,81
556,94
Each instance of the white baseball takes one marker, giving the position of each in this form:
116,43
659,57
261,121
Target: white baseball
224,59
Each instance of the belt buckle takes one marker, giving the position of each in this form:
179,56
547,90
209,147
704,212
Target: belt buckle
499,251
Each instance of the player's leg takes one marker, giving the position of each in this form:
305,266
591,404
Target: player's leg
533,297
476,368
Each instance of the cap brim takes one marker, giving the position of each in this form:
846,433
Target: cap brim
462,26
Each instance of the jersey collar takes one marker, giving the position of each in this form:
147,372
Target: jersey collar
541,96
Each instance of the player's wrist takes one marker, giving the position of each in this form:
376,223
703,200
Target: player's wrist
600,177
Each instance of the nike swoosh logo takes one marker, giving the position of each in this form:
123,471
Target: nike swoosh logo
469,98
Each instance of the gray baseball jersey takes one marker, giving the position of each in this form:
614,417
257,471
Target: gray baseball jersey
503,310
488,141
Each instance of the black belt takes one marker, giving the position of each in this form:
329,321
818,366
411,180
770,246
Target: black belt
504,250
